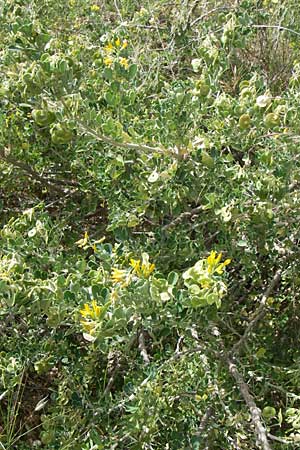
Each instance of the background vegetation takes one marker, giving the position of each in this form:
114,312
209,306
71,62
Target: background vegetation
149,196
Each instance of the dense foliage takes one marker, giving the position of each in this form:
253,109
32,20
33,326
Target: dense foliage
149,241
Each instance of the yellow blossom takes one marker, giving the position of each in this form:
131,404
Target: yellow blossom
220,268
147,269
213,260
124,45
89,327
93,312
124,62
213,263
118,42
108,61
144,268
95,8
92,316
135,264
109,48
82,242
118,275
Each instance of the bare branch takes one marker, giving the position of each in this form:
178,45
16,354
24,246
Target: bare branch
277,27
254,410
281,440
142,348
51,182
208,13
204,421
110,383
260,313
127,145
182,216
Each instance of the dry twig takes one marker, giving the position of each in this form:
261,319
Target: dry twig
142,348
260,313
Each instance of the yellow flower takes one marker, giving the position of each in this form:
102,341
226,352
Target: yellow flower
82,242
91,313
89,327
124,45
92,316
109,48
108,61
118,275
118,42
124,62
213,263
95,8
147,269
142,270
220,268
213,260
135,264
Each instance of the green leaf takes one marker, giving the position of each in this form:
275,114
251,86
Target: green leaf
173,278
132,71
108,73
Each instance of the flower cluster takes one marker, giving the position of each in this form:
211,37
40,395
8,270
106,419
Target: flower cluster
112,52
203,281
92,316
95,8
142,268
139,268
120,276
214,265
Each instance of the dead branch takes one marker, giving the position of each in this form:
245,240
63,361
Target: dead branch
204,421
57,185
182,216
255,412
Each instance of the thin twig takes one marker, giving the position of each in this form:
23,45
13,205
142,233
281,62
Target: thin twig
142,348
111,381
54,183
204,421
208,13
278,439
180,339
260,313
127,145
277,27
255,412
182,216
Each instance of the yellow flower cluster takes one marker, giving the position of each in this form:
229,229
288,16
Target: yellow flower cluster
108,61
124,62
95,8
120,276
214,265
142,268
83,242
93,312
111,49
92,315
